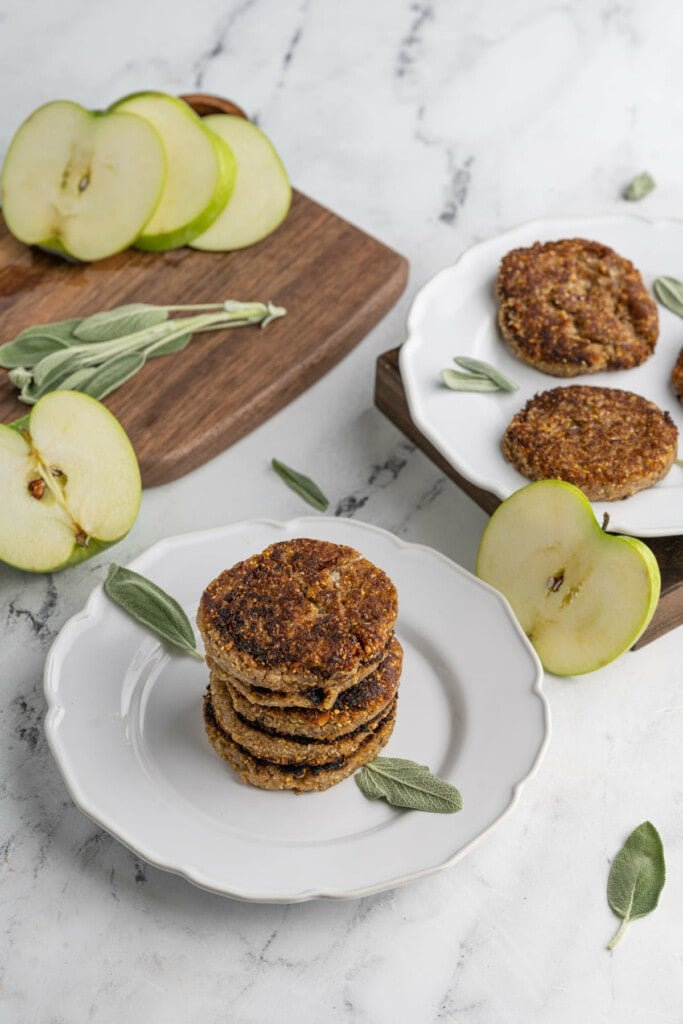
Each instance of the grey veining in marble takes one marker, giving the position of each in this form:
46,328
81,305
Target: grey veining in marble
432,126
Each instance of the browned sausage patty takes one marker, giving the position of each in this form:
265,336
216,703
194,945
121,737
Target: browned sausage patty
575,306
353,708
267,774
608,442
302,614
677,376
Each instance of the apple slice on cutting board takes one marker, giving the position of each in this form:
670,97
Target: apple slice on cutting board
581,595
81,183
200,176
69,481
262,194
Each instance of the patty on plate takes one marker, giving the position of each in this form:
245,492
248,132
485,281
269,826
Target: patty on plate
608,442
575,306
302,614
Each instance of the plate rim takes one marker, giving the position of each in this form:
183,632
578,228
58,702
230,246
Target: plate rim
541,224
55,710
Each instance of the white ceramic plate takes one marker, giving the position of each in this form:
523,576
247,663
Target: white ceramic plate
125,726
456,314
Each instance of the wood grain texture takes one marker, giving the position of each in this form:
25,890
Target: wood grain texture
390,398
335,281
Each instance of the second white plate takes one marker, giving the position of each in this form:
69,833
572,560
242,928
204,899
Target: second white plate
456,314
125,726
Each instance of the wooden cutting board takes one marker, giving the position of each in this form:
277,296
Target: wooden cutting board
335,281
390,398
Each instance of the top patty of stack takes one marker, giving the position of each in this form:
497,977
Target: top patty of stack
300,614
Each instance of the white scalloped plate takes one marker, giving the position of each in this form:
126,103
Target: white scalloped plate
456,314
125,727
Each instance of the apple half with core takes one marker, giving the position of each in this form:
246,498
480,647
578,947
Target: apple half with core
200,175
262,194
581,595
81,183
69,480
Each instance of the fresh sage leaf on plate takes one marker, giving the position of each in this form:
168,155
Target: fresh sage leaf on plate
636,877
405,783
669,291
151,606
303,485
466,381
480,376
639,187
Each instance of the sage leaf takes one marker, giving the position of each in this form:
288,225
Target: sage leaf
303,485
50,366
639,187
110,375
636,877
29,351
35,342
404,783
669,291
466,381
77,380
60,330
112,324
482,369
151,606
176,344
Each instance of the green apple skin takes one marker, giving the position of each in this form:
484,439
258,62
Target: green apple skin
262,194
89,506
79,183
582,596
201,171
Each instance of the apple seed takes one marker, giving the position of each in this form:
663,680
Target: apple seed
37,487
555,581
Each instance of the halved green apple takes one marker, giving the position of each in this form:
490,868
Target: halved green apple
81,183
200,176
581,595
70,483
262,194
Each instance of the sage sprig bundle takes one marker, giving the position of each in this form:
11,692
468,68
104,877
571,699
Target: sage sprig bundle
151,606
636,877
478,376
405,783
98,353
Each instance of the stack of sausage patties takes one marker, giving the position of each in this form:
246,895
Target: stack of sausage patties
304,664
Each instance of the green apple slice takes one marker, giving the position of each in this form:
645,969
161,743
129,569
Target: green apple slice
81,183
262,194
200,176
582,596
70,483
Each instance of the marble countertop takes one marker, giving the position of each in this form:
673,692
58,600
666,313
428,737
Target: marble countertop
431,126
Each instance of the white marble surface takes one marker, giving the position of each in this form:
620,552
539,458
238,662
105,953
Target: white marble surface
431,126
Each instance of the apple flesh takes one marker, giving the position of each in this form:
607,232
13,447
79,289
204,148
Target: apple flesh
582,596
262,194
200,176
81,183
70,483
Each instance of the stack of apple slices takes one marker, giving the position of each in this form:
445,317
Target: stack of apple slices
146,172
